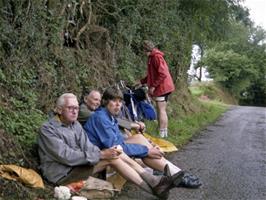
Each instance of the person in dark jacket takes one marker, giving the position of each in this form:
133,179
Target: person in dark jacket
159,82
91,100
67,155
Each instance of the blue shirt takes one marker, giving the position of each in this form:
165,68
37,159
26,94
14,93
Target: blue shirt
103,131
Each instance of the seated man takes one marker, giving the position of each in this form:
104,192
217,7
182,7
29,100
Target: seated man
67,155
103,131
91,100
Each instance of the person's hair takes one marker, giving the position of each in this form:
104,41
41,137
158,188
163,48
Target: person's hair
87,93
148,45
111,93
62,99
84,94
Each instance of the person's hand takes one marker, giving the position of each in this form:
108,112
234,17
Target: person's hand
151,90
140,127
118,149
111,153
155,152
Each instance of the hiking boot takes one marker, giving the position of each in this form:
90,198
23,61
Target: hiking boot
176,179
162,189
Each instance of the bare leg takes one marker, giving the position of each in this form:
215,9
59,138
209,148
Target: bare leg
133,164
162,118
147,176
121,167
138,139
125,170
157,164
132,171
162,115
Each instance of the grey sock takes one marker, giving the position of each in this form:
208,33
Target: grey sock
150,178
145,187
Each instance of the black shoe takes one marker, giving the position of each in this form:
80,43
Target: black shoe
162,189
183,179
190,181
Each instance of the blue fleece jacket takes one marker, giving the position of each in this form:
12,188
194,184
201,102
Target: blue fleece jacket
102,130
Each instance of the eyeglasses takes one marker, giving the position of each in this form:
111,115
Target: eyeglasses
72,108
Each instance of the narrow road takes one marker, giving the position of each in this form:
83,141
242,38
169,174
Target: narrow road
229,157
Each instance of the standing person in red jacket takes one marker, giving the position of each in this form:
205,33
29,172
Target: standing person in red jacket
159,82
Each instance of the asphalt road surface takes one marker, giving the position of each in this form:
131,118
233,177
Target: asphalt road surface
229,157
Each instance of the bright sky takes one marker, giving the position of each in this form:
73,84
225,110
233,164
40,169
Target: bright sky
257,11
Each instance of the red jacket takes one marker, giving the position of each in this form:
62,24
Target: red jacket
158,75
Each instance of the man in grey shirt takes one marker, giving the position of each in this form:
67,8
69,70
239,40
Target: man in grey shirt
67,155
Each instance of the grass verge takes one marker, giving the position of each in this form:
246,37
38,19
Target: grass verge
181,130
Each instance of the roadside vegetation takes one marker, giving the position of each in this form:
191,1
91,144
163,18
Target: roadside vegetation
211,103
51,47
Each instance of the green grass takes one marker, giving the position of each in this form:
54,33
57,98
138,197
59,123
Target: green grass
213,92
196,91
181,130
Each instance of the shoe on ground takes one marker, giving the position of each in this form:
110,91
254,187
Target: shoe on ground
176,178
190,181
183,179
162,189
